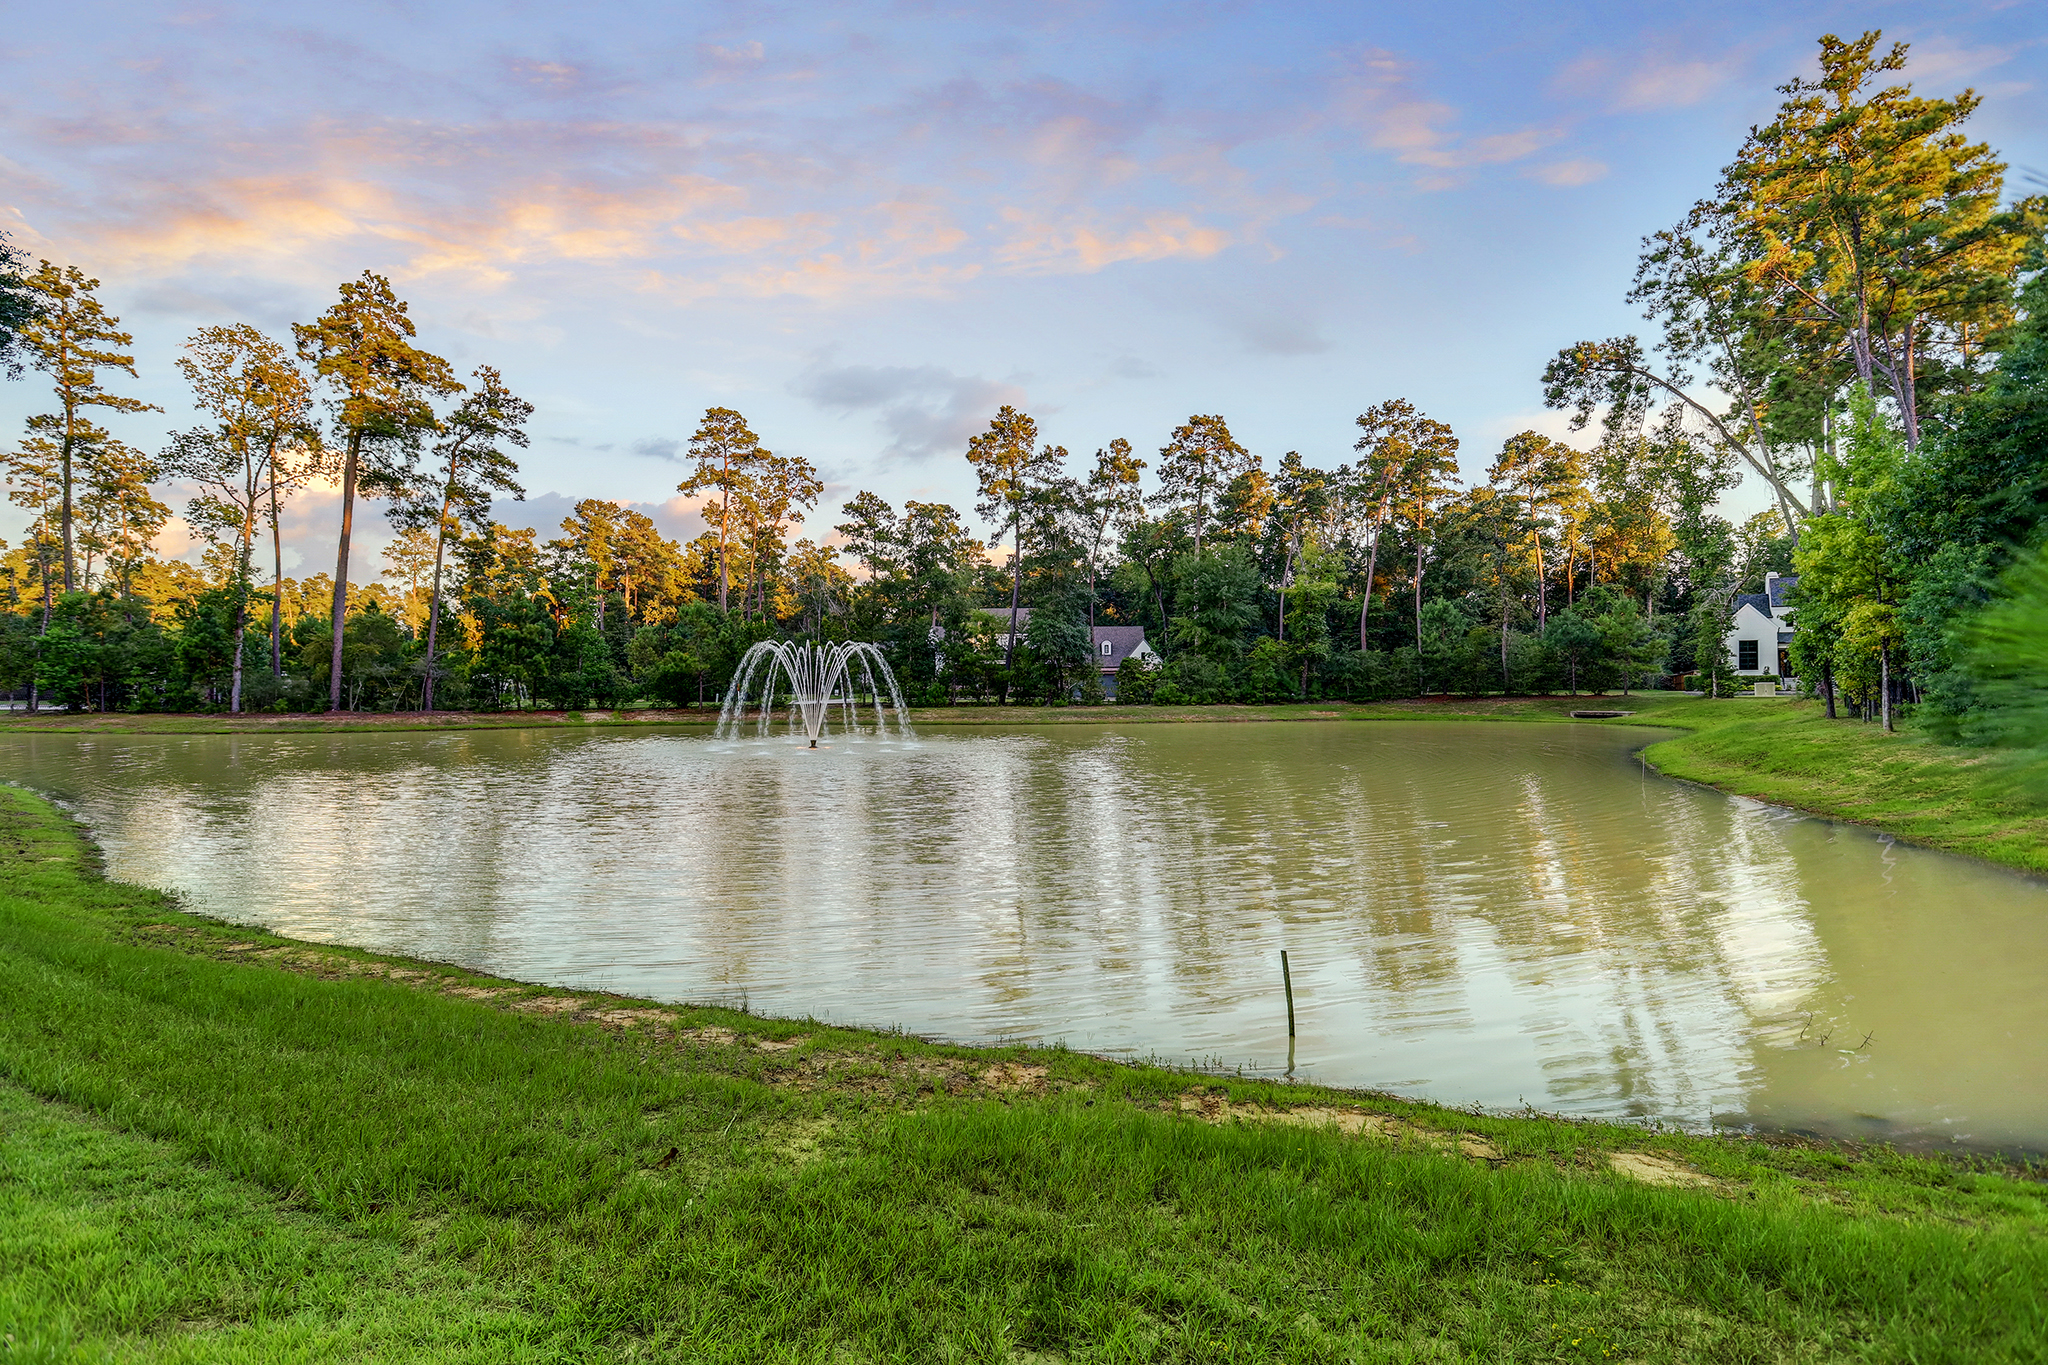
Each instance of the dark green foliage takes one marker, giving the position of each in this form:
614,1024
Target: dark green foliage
1057,649
1136,682
2005,653
19,306
102,652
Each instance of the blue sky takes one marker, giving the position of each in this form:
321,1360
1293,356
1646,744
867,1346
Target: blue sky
866,226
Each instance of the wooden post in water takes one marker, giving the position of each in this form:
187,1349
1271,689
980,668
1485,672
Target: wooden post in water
1287,984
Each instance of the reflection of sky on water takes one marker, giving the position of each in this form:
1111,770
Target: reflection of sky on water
1481,913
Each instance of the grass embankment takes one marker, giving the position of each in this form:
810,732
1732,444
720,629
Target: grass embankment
1789,753
220,1145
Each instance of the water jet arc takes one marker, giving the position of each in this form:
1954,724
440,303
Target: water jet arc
816,678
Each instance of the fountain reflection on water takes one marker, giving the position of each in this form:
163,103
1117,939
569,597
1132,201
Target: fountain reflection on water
820,677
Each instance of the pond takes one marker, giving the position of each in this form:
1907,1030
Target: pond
1481,914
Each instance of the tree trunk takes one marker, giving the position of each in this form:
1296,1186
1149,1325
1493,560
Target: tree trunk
276,588
434,598
1827,686
1016,584
1504,689
64,452
348,504
724,520
1884,685
1286,570
235,691
1420,684
244,559
1371,563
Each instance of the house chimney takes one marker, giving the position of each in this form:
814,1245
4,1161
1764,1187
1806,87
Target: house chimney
1771,588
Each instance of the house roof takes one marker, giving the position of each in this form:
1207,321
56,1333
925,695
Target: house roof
1761,601
1123,641
1002,615
1779,586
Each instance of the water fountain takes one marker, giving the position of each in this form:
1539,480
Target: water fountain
819,677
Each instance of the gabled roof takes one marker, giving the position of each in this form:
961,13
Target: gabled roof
1002,616
1761,601
1123,641
1781,586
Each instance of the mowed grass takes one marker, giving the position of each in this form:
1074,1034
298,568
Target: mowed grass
1788,752
217,1145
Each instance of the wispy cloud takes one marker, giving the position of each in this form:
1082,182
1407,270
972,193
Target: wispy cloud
924,410
1654,78
1384,100
1569,174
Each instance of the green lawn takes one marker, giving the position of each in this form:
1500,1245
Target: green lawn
219,1145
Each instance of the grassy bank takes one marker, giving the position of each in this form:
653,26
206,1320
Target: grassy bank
1788,752
219,1145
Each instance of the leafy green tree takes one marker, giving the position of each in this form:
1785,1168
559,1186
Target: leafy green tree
100,651
2005,648
1441,646
1306,601
785,488
1301,506
1849,582
1218,600
580,670
118,516
260,443
729,463
1630,649
475,464
1057,641
206,643
1547,476
1407,474
673,662
1574,638
1874,223
1111,504
517,635
1011,471
382,390
1196,466
72,339
35,485
19,306
1136,681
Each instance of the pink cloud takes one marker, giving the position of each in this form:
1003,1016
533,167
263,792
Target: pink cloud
1569,174
1382,100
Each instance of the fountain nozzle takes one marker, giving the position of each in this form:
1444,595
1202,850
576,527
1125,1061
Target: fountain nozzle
814,744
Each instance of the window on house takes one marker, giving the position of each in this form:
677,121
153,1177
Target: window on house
1107,649
1745,655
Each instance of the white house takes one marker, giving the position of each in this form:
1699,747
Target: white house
1760,638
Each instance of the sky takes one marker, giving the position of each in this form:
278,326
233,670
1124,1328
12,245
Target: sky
866,226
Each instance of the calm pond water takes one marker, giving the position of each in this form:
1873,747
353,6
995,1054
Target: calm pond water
1488,914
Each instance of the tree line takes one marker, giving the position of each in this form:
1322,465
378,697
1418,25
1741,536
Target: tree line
1852,317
